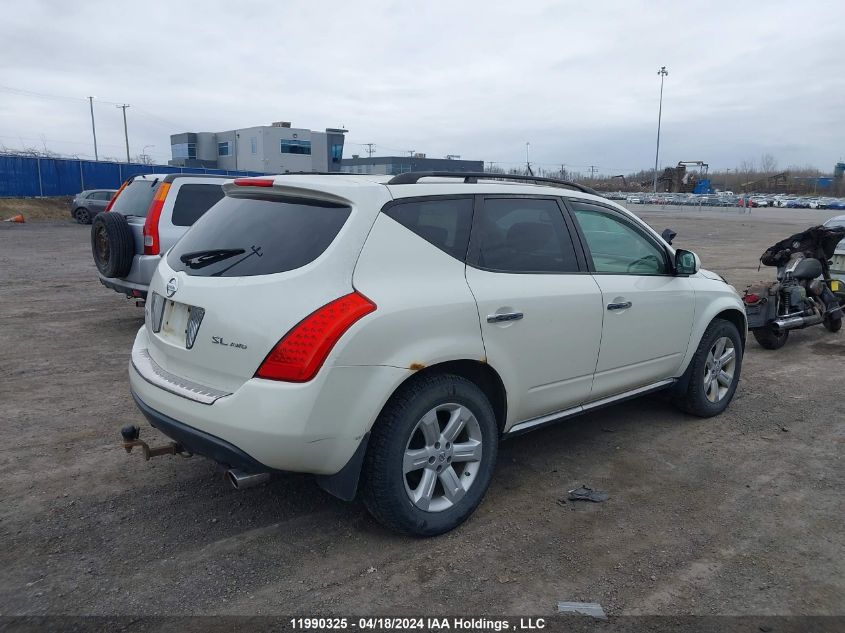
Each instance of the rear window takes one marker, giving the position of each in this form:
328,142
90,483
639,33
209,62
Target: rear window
136,197
242,237
192,201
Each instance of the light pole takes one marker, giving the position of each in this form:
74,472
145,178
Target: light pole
662,72
144,155
125,130
93,129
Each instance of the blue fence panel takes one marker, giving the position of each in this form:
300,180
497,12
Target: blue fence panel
99,175
26,177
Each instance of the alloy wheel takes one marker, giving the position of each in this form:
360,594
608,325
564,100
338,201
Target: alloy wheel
719,369
442,457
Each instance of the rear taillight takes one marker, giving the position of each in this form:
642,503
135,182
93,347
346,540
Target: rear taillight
302,351
151,243
254,182
114,197
751,298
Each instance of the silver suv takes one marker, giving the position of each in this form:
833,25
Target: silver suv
144,219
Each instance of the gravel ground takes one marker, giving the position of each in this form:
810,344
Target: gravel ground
740,514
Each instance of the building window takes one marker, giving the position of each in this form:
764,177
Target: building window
223,149
184,150
253,145
337,152
293,146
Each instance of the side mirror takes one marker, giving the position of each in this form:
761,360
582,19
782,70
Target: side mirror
668,235
686,262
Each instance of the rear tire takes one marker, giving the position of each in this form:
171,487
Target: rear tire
112,244
82,216
435,430
714,371
769,339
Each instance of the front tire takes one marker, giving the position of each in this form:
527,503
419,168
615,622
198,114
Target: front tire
714,371
431,455
832,325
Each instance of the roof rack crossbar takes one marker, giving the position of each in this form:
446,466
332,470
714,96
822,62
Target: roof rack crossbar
413,177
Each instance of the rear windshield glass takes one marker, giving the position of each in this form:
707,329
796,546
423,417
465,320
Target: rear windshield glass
194,200
241,237
136,197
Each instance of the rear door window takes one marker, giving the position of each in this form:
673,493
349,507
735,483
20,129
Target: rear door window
193,200
445,223
136,197
523,235
242,237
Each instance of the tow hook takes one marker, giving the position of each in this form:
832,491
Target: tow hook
131,434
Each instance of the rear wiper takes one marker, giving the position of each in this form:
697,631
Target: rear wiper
200,259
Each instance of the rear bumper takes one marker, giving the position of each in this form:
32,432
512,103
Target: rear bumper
137,291
314,427
137,281
198,442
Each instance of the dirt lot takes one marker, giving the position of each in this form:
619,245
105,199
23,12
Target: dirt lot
740,514
36,209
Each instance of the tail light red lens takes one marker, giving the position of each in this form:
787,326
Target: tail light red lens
254,182
302,351
114,197
751,298
151,242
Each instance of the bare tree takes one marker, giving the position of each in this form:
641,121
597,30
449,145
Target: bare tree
768,164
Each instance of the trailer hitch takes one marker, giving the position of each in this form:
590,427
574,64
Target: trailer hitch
131,435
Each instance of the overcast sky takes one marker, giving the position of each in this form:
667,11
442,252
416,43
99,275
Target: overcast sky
578,80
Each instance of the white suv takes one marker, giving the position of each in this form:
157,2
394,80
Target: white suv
394,330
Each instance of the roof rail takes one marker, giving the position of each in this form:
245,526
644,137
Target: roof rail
412,177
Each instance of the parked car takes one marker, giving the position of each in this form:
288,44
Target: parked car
837,262
145,218
87,204
392,331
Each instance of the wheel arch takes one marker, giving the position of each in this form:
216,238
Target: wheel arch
480,373
738,318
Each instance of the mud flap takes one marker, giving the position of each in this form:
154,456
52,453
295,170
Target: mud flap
344,484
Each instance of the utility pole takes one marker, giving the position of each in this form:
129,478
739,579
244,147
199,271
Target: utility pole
371,149
93,129
528,162
593,171
662,72
125,130
411,152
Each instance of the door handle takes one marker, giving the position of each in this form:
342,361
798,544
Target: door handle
504,316
619,306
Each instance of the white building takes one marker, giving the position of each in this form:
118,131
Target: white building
271,149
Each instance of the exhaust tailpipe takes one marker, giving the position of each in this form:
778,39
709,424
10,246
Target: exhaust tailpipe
793,323
240,479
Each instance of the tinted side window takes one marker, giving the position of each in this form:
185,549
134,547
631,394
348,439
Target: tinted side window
445,223
616,245
194,200
103,195
524,235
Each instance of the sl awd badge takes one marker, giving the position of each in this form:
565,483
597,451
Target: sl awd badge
171,287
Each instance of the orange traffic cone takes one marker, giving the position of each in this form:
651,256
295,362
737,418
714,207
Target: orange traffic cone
18,219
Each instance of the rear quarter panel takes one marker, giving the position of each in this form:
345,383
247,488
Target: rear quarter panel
426,312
